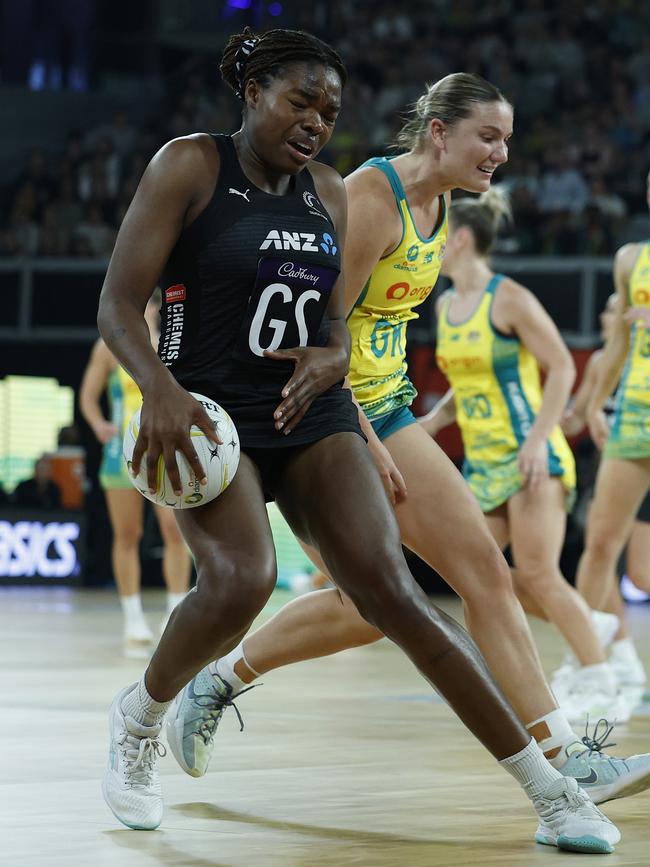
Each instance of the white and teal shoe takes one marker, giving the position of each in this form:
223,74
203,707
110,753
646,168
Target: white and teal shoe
193,719
131,783
605,777
570,821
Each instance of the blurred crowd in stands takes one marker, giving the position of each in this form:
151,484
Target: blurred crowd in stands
577,73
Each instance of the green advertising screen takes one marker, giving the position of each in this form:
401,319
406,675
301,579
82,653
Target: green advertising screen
32,411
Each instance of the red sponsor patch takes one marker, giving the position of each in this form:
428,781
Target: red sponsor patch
175,293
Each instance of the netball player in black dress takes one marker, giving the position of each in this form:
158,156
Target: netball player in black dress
244,235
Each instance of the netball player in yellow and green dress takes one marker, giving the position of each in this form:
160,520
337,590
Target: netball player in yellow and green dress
493,337
623,478
125,504
623,655
397,230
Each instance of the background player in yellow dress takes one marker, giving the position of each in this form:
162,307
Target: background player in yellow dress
624,473
125,504
493,337
623,655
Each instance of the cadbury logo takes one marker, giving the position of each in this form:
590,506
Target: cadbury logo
288,269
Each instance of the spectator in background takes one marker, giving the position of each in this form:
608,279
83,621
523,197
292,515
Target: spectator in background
93,236
99,175
41,491
35,176
595,237
74,152
24,233
120,133
609,204
62,216
562,187
565,53
184,120
54,238
597,151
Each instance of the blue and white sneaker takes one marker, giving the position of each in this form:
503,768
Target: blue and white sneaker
604,777
194,716
569,820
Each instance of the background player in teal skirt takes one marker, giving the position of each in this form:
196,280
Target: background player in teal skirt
623,655
623,477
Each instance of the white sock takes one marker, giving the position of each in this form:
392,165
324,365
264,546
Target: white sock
173,599
225,668
142,707
132,607
561,735
531,770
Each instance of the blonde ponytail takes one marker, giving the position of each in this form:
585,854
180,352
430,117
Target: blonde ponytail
497,202
483,216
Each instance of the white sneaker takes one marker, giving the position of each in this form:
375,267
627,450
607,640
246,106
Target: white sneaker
131,783
138,639
606,626
569,820
626,664
589,698
562,678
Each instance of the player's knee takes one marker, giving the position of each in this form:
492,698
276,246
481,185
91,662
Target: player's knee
391,591
128,537
256,581
232,593
539,579
487,581
602,545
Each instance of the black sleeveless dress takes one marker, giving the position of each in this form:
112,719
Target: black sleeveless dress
253,272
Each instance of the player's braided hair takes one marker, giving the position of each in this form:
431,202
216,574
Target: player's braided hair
451,99
266,57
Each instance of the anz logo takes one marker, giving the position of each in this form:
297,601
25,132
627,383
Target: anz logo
305,241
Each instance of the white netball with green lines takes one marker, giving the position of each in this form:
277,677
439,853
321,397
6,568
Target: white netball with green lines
220,461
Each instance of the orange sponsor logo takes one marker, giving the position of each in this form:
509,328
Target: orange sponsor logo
641,296
398,291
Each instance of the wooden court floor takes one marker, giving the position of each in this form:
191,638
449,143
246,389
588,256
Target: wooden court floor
343,761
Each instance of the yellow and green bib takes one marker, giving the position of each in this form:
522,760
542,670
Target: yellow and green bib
124,399
630,433
399,282
497,393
